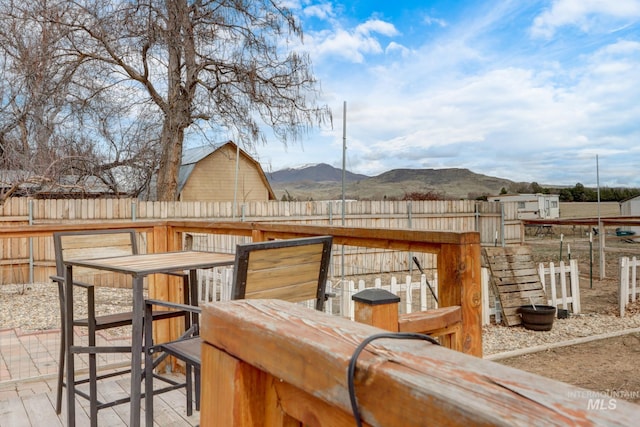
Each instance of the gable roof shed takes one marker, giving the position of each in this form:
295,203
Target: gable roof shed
209,173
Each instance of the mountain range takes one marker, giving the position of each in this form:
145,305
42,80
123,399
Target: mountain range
324,182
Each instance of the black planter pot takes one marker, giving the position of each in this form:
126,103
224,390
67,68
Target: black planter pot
538,319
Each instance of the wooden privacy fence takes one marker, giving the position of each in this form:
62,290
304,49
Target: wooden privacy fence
31,259
396,382
628,282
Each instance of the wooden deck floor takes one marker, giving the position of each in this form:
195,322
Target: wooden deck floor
28,367
32,404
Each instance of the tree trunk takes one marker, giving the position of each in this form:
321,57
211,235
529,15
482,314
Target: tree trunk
177,113
171,139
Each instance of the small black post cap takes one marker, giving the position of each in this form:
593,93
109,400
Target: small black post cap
375,296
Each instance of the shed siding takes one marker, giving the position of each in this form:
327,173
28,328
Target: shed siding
631,207
213,179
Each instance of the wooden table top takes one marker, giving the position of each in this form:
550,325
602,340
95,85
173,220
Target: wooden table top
165,262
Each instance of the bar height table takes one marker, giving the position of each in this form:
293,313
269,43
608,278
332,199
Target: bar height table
138,267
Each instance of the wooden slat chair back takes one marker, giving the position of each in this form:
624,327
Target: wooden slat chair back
93,244
293,270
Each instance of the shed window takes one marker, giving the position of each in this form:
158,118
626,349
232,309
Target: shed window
520,205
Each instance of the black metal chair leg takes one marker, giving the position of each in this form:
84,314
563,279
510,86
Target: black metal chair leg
188,371
197,379
62,351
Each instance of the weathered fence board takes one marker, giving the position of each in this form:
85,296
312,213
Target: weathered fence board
32,258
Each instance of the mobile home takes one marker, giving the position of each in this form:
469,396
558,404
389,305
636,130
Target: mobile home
533,206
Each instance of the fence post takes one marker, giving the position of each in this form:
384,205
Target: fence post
31,262
486,310
563,285
459,276
377,307
575,285
624,284
634,266
552,284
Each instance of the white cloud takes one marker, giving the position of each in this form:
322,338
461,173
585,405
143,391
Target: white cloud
321,11
352,44
584,14
374,26
430,21
503,116
394,47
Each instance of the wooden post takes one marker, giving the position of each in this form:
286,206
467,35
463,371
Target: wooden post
167,288
377,307
175,284
257,235
459,273
221,371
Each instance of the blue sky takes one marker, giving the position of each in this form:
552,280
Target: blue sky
523,90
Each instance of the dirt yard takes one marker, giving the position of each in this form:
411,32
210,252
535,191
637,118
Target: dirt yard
609,366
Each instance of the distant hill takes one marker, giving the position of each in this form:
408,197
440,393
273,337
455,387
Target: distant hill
324,182
317,173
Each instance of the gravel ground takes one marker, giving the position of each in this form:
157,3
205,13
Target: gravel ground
499,339
35,307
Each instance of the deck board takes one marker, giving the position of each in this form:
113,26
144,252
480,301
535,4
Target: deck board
32,404
13,414
30,401
40,410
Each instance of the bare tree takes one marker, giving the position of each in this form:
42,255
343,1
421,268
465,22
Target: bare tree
227,64
60,129
33,92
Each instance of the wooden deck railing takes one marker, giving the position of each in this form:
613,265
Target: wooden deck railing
273,363
458,255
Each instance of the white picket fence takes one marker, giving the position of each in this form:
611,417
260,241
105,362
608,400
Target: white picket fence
414,296
215,285
628,282
568,294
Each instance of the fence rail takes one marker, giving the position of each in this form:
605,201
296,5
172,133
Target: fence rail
393,382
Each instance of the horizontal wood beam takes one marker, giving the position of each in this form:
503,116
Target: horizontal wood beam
430,320
385,238
43,230
397,382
